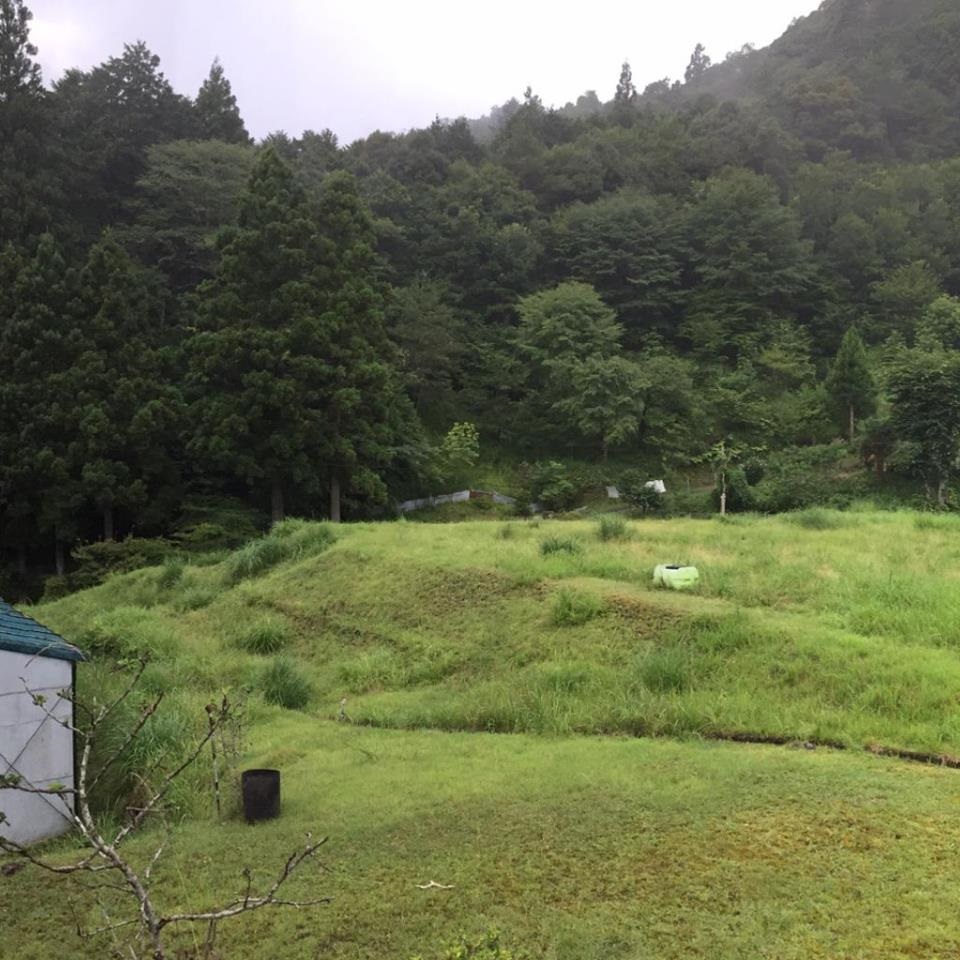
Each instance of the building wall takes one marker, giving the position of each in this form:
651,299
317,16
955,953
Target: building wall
34,745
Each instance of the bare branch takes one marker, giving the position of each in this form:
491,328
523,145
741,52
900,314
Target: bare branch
103,856
157,854
14,782
9,846
168,780
145,714
40,702
131,686
247,903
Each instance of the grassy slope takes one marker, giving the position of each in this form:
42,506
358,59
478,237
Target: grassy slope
846,628
848,633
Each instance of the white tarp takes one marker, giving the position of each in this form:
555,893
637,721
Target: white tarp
461,495
658,485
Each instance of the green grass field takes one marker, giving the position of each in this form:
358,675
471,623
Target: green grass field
611,823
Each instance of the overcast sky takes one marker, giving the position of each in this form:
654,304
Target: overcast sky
360,65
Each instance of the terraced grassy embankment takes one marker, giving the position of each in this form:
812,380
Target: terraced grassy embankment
822,627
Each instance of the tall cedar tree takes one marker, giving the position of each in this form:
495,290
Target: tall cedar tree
699,63
25,186
19,73
40,496
107,120
218,116
289,382
850,382
125,413
626,92
370,423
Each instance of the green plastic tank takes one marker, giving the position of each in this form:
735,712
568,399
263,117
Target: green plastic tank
675,576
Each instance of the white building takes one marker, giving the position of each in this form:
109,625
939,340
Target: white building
33,745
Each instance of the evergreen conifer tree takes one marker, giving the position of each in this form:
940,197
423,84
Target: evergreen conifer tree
124,414
19,73
626,92
850,382
24,131
699,63
291,374
38,345
216,109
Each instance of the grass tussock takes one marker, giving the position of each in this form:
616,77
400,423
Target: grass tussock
572,608
195,598
288,540
668,670
129,631
817,518
266,635
611,526
560,544
285,683
171,573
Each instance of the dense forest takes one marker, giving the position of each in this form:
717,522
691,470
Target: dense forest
757,266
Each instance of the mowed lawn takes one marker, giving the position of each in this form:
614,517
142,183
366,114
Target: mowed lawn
573,848
534,726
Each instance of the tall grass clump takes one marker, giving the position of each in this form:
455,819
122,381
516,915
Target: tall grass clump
194,598
571,608
816,518
611,526
505,532
171,573
255,558
288,540
284,683
376,669
159,745
268,634
559,544
666,671
935,521
127,631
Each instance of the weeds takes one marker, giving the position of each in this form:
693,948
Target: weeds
128,631
285,684
666,670
816,518
288,540
269,634
194,598
611,526
171,573
558,544
571,608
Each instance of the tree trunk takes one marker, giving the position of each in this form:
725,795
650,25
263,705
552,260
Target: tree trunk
335,499
723,495
58,556
108,522
22,561
942,493
851,423
605,449
276,502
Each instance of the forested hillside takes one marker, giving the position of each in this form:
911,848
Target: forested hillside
759,261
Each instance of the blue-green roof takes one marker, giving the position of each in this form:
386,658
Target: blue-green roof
23,635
